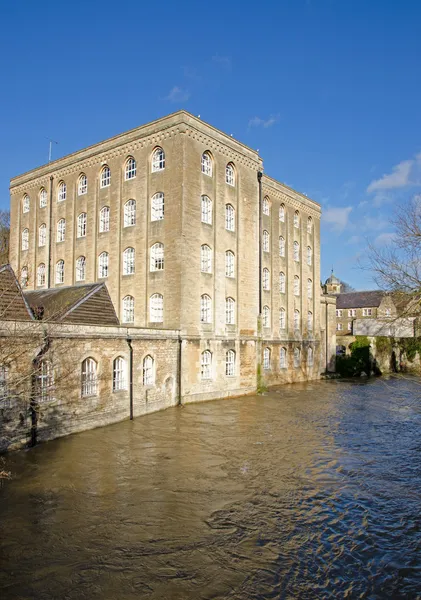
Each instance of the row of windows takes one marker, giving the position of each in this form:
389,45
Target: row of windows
296,248
282,214
283,358
282,283
283,318
367,312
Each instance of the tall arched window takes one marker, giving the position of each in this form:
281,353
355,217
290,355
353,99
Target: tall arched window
45,381
206,206
309,288
148,370
61,230
205,309
310,320
43,198
229,264
266,316
41,275
310,356
230,363
229,217
129,213
281,246
296,285
230,174
128,309
26,204
81,225
60,271
105,180
104,219
297,357
207,164
265,237
130,168
24,277
309,225
296,219
119,374
82,185
61,192
158,160
266,206
229,311
283,358
282,213
206,365
205,259
157,257
42,235
309,256
89,377
103,265
296,319
25,239
282,318
282,282
128,261
156,308
266,359
296,251
157,207
80,268
266,279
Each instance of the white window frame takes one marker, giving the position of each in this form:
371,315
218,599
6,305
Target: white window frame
230,363
130,169
158,160
282,246
105,180
229,311
89,379
296,285
129,213
82,185
61,192
207,164
266,316
309,225
128,309
297,320
230,174
81,225
205,309
41,272
24,277
206,365
339,327
60,271
61,230
266,359
309,289
309,256
229,217
156,308
282,318
266,279
296,250
265,241
45,381
282,282
206,209
297,219
26,204
156,262
81,268
266,206
119,374
352,312
309,321
157,206
283,358
103,265
129,261
229,264
43,198
205,259
104,219
297,357
339,312
148,371
282,213
367,312
349,325
42,235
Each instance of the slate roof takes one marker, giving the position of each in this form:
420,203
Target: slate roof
13,306
369,299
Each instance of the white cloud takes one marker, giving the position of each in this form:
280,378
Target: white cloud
405,173
337,218
177,94
258,122
354,239
384,238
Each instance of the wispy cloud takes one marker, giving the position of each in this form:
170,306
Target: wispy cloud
403,174
354,239
178,94
337,218
384,238
223,61
258,122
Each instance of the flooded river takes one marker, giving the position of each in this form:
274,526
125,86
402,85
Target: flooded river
310,491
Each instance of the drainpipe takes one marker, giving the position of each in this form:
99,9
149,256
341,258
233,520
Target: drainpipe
33,402
50,232
129,343
179,369
259,179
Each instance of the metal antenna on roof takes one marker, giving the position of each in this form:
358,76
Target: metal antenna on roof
51,147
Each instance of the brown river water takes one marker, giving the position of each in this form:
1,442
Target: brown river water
309,491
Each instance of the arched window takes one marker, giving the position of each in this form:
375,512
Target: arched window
157,207
156,308
25,239
282,318
266,279
266,359
297,357
265,241
282,283
266,316
105,177
45,381
103,265
230,363
229,311
207,164
26,204
310,356
41,275
148,370
296,219
296,252
282,213
309,255
309,288
309,225
205,309
130,169
206,205
128,309
205,259
60,271
266,206
229,264
61,192
81,225
310,320
42,235
104,219
82,186
206,365
281,246
119,374
128,261
61,230
129,213
157,257
89,377
283,358
230,174
296,285
80,268
24,277
229,217
43,198
158,160
296,319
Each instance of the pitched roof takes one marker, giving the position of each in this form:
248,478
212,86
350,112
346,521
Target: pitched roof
84,304
369,299
13,306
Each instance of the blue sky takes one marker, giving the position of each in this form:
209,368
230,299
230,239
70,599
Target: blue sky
329,91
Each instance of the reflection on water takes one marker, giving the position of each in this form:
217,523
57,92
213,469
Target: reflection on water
311,491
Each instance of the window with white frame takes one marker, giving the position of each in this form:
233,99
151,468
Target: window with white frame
60,271
309,225
129,217
229,311
283,358
230,174
266,206
61,230
205,309
309,289
25,239
296,285
310,321
82,186
296,319
296,251
41,275
157,257
157,207
26,204
24,277
104,219
266,279
42,235
229,217
45,381
128,261
310,356
119,374
103,262
282,318
148,370
206,365
206,206
43,198
266,359
130,169
89,377
105,177
80,268
128,309
281,246
339,327
282,213
339,312
229,264
282,282
367,312
205,259
230,363
265,238
158,160
156,308
61,192
266,316
207,164
352,312
297,357
349,326
309,255
296,219
81,225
